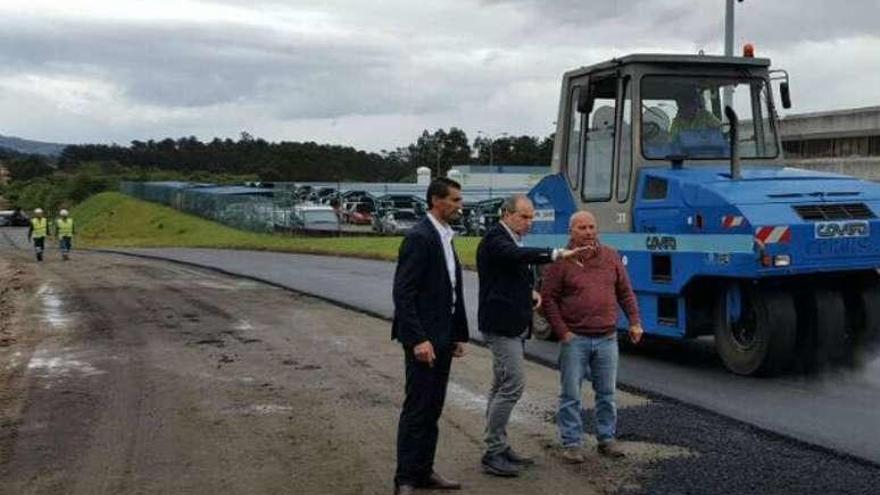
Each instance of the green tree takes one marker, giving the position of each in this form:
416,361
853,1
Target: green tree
440,150
28,167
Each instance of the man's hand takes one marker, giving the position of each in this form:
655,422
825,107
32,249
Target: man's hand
568,337
635,333
568,253
458,350
536,300
424,352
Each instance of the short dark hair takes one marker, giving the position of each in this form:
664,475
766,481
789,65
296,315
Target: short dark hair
440,187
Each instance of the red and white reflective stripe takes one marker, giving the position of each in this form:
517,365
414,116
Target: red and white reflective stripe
731,221
770,235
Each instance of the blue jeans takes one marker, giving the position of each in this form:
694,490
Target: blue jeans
593,358
64,244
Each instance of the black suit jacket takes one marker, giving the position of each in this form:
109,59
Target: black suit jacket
506,282
423,293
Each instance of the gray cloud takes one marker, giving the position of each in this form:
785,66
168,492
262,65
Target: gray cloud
192,65
633,22
393,66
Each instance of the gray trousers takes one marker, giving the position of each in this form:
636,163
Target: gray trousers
508,383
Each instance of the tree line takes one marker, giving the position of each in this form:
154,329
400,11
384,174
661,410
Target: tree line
310,161
83,170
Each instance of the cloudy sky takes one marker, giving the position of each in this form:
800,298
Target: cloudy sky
373,74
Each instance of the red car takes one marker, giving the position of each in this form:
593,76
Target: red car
357,213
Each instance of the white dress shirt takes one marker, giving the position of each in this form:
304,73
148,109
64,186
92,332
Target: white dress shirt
517,239
446,235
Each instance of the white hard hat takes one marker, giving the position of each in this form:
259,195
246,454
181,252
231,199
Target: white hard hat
38,211
63,213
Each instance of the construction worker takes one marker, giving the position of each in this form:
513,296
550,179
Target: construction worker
37,232
64,233
692,114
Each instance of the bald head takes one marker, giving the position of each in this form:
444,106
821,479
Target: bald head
582,229
579,215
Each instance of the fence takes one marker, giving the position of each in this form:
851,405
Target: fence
266,210
258,211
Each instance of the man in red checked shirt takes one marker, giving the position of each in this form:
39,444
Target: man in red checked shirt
581,298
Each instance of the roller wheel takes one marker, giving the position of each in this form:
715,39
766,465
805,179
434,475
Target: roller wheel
822,323
762,341
863,311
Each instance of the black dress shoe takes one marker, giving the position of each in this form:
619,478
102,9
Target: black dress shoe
499,465
520,460
404,490
437,482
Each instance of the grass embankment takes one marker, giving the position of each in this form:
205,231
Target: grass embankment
115,220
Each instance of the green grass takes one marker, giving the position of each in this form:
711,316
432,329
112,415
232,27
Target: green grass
114,220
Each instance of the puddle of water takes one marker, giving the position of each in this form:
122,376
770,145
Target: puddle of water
209,284
260,410
872,372
269,409
53,308
52,365
14,361
244,326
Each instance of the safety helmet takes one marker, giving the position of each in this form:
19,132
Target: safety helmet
38,211
63,213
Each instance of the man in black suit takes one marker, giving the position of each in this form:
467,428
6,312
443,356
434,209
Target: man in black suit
430,322
507,298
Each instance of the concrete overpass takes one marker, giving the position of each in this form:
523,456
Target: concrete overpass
842,141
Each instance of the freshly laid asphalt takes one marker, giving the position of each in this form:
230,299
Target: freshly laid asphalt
839,411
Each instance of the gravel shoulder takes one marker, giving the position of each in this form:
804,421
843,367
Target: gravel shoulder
147,377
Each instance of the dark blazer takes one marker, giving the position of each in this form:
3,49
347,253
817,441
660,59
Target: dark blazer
423,293
506,282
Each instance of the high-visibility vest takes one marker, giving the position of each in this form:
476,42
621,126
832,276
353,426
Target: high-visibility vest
39,226
64,227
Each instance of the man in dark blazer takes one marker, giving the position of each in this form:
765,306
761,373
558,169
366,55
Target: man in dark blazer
505,317
431,323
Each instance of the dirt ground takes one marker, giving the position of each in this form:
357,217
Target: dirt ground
120,375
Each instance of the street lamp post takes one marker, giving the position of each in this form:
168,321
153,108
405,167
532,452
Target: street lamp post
727,95
491,157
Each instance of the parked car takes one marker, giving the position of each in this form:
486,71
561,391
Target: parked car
323,195
314,217
468,220
397,221
378,216
13,218
404,201
485,215
357,213
357,196
302,192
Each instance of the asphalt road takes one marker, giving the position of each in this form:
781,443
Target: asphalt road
838,411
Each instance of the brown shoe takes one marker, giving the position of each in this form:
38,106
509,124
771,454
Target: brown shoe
404,490
572,455
611,449
437,482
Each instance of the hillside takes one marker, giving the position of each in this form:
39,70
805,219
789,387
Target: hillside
114,220
30,147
